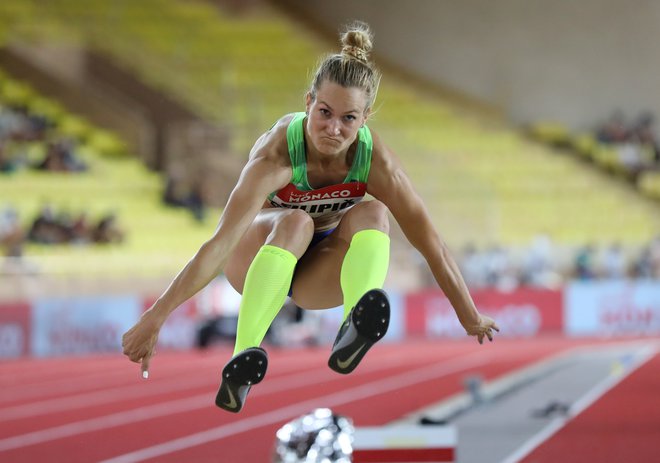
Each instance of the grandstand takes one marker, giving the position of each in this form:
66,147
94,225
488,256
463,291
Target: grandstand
114,183
483,181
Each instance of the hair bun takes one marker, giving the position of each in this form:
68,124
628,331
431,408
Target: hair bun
356,53
357,41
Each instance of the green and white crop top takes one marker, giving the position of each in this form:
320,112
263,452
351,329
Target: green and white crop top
329,202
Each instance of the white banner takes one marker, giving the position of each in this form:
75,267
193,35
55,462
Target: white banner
612,308
79,325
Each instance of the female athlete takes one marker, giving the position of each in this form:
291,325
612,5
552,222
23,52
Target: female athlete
296,224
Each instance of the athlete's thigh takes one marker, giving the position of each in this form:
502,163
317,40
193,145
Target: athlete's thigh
316,284
254,238
289,229
241,257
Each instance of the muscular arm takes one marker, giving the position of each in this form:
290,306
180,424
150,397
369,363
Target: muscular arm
266,171
259,177
389,183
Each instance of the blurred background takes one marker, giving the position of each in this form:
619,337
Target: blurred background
528,128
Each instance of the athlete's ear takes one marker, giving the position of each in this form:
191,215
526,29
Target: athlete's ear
367,113
308,101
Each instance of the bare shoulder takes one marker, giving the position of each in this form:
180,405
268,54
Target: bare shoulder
386,169
272,144
389,183
269,166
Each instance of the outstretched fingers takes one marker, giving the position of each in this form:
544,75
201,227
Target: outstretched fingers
486,330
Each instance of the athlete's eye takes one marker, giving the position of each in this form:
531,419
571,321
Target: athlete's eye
349,118
324,111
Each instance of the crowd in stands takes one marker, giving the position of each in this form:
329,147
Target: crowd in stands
29,140
637,145
19,129
177,193
627,148
60,157
62,228
51,228
544,264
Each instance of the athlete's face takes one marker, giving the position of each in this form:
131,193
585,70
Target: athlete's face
335,116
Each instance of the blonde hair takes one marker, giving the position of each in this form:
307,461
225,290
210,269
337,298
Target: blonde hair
351,67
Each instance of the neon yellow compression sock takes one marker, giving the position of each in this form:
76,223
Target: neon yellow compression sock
266,286
365,266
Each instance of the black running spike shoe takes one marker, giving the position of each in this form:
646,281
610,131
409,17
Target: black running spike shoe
244,370
366,324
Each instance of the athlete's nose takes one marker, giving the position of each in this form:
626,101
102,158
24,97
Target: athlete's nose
335,128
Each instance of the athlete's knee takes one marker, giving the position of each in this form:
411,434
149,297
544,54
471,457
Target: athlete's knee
293,229
370,215
295,221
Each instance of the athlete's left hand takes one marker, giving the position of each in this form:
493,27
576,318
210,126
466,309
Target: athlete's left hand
484,328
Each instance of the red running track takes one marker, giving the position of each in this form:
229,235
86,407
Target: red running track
623,426
98,409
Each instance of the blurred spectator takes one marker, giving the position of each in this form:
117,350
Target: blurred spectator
107,231
16,124
654,257
539,267
500,269
637,146
60,158
642,134
614,262
12,236
472,267
7,165
546,265
45,228
647,264
217,306
613,131
80,229
49,228
27,127
632,158
294,327
18,127
584,263
178,194
642,268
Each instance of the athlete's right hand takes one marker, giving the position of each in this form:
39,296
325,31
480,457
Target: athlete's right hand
139,342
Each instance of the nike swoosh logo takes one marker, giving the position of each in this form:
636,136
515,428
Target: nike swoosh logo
348,361
232,401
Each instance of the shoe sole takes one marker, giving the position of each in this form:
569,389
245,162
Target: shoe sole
369,320
241,373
